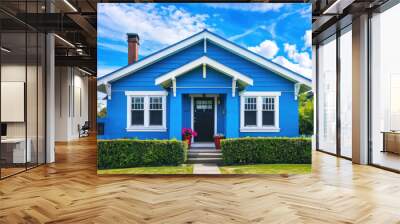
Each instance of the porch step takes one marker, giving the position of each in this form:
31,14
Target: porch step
204,160
204,151
203,145
204,154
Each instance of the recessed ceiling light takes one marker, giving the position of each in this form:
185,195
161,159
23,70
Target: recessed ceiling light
70,5
5,50
64,40
84,71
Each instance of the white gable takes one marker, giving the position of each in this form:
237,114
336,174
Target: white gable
204,61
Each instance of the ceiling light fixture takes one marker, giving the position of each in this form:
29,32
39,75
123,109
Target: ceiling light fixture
64,40
70,5
5,50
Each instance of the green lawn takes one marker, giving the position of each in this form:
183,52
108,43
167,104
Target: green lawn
184,169
267,169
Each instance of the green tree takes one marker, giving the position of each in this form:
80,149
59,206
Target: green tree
306,111
102,112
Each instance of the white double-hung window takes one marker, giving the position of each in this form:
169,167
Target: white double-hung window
259,111
146,110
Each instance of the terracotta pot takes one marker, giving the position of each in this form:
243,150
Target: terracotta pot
217,141
188,139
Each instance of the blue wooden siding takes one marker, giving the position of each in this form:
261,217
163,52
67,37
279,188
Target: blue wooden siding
194,78
186,106
178,108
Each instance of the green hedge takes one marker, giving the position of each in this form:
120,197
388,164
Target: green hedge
266,150
126,153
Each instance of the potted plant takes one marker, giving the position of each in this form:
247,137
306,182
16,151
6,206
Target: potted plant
217,140
187,134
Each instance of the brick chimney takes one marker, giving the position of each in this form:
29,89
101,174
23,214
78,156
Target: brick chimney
133,47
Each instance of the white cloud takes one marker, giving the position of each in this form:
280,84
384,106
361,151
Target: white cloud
115,47
305,12
253,7
104,70
245,33
307,38
307,72
299,62
303,58
267,48
161,25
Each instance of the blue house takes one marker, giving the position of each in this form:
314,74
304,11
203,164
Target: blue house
206,83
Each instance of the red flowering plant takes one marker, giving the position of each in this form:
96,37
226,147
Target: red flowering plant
188,132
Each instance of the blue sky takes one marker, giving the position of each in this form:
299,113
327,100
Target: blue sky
279,32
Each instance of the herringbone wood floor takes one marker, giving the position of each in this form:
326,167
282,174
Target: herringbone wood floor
69,191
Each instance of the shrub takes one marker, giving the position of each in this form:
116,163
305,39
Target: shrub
266,150
127,153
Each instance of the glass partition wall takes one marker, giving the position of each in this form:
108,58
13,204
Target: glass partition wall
22,107
345,108
327,95
385,89
334,83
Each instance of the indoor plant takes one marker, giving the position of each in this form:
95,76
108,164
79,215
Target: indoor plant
217,140
187,134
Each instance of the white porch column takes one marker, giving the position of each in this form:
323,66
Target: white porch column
233,87
174,86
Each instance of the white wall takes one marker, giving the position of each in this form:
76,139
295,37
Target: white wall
71,102
16,73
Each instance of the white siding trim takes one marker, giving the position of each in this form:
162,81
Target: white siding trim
259,127
198,62
146,93
206,95
146,129
247,93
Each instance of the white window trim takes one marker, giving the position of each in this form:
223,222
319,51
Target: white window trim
259,127
146,127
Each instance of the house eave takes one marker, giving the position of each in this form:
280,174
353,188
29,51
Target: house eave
203,36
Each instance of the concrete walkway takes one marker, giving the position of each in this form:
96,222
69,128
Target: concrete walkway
205,168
